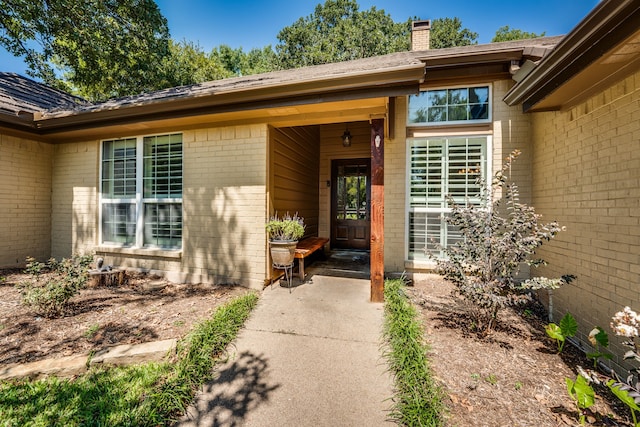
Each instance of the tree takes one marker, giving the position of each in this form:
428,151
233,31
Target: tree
338,31
504,34
448,32
96,48
188,64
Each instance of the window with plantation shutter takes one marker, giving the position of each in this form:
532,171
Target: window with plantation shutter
141,192
439,167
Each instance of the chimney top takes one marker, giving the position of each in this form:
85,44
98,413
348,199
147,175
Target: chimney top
420,34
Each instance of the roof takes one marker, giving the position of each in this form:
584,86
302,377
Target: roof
20,95
319,73
603,48
381,76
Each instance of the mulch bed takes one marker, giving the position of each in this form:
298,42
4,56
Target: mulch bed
514,377
143,309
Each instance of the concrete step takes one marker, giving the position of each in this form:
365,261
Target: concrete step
67,367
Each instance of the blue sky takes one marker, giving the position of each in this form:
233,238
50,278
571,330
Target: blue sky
253,23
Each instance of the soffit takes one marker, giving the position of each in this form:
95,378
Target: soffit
614,66
291,115
599,51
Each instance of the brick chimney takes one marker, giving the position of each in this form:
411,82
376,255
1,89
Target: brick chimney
420,35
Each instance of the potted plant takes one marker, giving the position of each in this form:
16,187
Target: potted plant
284,233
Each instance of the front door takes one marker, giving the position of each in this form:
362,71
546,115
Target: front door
350,203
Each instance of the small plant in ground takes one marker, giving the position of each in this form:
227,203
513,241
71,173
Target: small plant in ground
581,393
599,340
91,331
568,328
625,323
498,237
49,295
491,379
518,385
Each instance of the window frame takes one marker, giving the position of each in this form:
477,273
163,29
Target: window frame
410,256
453,122
138,200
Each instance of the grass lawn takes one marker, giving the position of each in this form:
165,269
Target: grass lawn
143,395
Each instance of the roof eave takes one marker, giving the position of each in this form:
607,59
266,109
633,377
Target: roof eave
242,98
604,27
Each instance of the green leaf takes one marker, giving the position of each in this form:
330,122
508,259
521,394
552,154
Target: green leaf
621,391
570,389
581,392
602,338
596,355
554,331
568,325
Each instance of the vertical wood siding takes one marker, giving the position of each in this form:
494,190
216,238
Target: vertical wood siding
295,177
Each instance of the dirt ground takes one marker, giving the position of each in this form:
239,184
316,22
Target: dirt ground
513,378
143,309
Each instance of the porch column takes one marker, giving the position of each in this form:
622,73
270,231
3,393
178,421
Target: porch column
377,210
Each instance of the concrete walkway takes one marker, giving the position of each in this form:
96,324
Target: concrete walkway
306,358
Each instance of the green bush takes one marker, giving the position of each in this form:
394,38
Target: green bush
49,294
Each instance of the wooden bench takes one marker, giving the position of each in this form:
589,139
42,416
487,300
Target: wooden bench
307,247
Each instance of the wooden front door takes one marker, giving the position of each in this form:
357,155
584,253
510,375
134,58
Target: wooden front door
350,203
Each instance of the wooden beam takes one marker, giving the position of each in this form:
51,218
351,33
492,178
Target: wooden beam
377,210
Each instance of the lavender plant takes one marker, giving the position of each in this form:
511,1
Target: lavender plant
499,237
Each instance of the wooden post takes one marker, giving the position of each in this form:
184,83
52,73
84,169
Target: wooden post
377,210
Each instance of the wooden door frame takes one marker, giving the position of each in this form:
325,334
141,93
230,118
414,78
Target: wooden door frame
335,163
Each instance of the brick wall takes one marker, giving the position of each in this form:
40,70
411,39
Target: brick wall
25,191
395,187
586,175
74,217
224,204
224,207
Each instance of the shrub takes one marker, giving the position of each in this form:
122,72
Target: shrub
49,294
498,237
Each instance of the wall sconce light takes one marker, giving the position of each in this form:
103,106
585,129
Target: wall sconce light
346,138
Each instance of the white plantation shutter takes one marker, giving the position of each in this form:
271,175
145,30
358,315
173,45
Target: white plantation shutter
141,192
440,167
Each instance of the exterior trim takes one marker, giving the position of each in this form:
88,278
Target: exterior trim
610,23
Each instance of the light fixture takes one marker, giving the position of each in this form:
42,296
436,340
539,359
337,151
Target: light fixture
346,138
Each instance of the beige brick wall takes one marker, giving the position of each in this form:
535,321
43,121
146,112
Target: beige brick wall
224,207
224,203
74,218
586,174
395,185
25,191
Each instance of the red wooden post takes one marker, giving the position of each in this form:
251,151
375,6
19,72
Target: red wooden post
377,210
